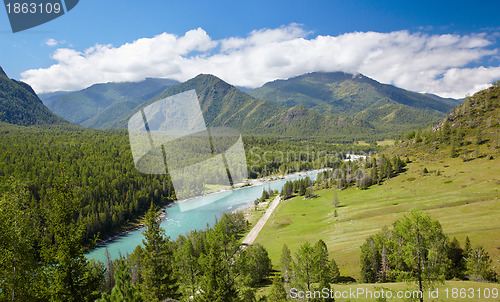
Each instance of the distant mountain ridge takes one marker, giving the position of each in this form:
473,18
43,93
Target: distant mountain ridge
100,104
357,96
19,105
224,105
50,97
334,105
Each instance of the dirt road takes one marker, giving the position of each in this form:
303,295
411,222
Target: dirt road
262,221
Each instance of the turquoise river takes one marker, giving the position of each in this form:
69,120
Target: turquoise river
194,214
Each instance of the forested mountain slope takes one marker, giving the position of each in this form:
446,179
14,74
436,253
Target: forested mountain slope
357,96
224,105
99,105
470,131
20,105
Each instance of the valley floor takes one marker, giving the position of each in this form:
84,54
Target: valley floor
466,291
463,196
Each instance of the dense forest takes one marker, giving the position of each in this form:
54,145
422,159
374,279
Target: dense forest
99,170
112,194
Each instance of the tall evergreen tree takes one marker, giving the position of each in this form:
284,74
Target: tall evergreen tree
18,233
456,256
467,247
188,267
110,273
286,263
123,291
278,292
304,267
254,264
72,277
217,282
479,265
370,260
321,265
324,269
159,280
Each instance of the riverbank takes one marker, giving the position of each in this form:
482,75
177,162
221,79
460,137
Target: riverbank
196,215
263,180
252,183
239,186
136,226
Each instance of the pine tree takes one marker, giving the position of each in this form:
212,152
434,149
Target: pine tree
287,190
302,187
278,292
18,232
304,267
73,277
286,263
259,264
187,263
247,294
159,281
467,247
479,265
334,271
456,256
110,272
370,260
309,193
123,291
217,282
321,265
419,245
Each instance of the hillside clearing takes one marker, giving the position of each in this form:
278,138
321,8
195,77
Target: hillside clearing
463,196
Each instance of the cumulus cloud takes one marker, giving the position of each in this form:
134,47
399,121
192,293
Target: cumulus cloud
446,65
53,42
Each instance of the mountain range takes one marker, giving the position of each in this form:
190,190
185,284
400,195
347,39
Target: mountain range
470,131
99,105
224,105
317,105
337,105
357,96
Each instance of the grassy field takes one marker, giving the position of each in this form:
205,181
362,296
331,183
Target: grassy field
447,292
463,196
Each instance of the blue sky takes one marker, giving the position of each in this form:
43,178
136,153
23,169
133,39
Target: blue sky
442,47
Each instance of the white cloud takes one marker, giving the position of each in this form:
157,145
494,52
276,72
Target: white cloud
53,42
439,64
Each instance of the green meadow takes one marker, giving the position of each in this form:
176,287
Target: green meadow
463,196
450,291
